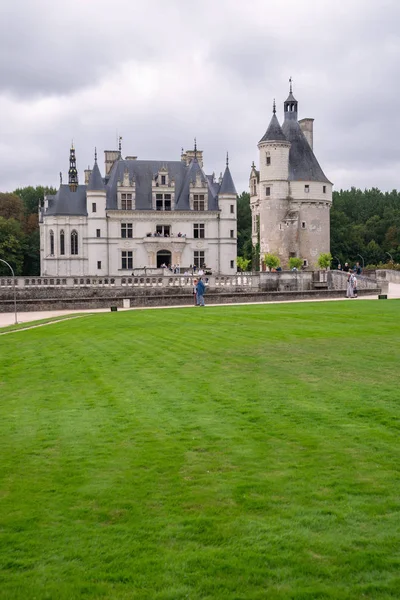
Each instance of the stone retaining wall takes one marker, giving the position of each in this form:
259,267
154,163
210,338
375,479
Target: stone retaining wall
84,301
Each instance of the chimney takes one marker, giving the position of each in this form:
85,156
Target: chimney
88,173
110,156
307,127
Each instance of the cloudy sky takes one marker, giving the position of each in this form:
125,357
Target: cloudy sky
160,72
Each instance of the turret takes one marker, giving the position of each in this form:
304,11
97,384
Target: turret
290,106
97,221
274,155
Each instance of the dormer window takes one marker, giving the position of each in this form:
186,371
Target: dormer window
163,201
198,202
161,177
126,201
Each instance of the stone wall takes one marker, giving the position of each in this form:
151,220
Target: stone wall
85,293
103,299
338,280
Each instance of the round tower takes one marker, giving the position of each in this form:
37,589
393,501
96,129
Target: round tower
273,189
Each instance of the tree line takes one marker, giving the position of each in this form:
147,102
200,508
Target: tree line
19,230
365,227
363,224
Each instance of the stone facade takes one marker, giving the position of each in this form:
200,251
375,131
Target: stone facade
107,227
290,196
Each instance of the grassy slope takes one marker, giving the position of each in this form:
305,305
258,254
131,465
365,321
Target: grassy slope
239,452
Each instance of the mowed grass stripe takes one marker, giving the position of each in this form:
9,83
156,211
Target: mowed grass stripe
238,452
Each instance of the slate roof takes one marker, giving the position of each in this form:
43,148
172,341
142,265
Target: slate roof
96,183
143,172
65,202
274,132
303,166
227,185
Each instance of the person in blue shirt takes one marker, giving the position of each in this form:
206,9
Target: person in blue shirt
200,287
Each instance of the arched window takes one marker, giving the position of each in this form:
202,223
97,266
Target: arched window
74,242
51,242
62,242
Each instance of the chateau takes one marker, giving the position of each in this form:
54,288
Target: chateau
290,196
142,214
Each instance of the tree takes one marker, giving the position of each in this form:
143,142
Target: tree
324,260
243,263
272,261
11,246
244,244
295,263
31,197
11,207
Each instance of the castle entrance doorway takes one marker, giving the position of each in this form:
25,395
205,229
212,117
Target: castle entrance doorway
164,257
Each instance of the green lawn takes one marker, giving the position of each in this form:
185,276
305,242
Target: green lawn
246,452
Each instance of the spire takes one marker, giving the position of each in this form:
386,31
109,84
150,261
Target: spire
274,132
227,159
120,145
290,105
72,172
95,182
227,185
195,148
95,155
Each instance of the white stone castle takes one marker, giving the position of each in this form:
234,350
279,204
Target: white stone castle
290,196
142,214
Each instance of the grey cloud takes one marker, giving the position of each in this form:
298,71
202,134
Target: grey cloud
343,57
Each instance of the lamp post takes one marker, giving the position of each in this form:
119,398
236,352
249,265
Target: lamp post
361,259
391,257
15,292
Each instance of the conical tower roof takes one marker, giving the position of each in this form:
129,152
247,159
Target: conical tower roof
274,132
227,185
96,183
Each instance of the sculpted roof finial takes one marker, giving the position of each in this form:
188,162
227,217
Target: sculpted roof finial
290,82
274,107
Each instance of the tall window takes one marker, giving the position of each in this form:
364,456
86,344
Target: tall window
232,233
267,191
324,189
198,202
198,258
126,201
232,209
99,264
94,208
268,159
306,188
127,259
163,230
62,242
163,201
163,180
52,243
98,233
126,230
199,230
74,242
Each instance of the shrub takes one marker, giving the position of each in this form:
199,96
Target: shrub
295,262
324,260
243,263
271,261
